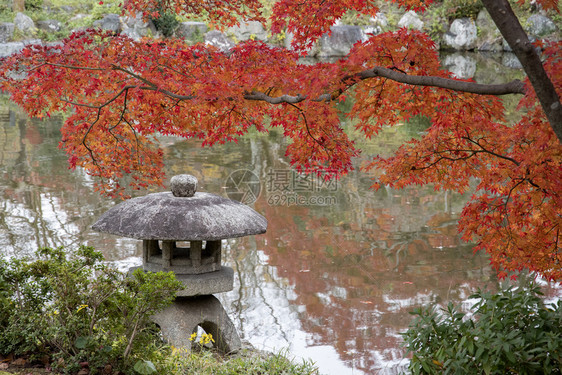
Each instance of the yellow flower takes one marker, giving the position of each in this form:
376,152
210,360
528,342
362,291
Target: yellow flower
206,339
81,307
193,336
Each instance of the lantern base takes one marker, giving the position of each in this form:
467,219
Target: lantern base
179,320
203,283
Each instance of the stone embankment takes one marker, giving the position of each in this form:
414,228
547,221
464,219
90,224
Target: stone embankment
463,34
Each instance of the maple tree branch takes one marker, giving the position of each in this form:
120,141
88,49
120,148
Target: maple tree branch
513,87
308,129
66,66
510,28
255,95
123,110
491,152
152,86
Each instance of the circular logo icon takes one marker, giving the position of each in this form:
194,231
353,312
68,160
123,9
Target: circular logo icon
243,186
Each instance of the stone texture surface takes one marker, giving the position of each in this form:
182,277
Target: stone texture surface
217,39
462,35
194,258
191,30
24,23
539,25
110,22
161,216
183,185
206,283
249,30
380,20
6,32
489,37
461,66
7,49
10,48
49,25
136,28
411,20
511,61
201,284
339,43
179,320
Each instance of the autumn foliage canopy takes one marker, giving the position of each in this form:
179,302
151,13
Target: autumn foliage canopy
121,93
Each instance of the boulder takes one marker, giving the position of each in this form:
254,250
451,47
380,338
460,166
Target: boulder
461,66
136,27
506,46
24,24
49,25
217,39
340,40
411,20
10,48
249,30
539,25
380,20
288,39
7,49
462,35
110,22
489,37
511,61
6,32
131,33
192,31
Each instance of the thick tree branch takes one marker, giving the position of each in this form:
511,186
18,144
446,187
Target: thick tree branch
255,95
517,38
513,87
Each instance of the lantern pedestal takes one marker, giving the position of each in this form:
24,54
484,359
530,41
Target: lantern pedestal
182,317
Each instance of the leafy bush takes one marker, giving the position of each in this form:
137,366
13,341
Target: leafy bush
74,308
463,8
511,332
33,4
166,23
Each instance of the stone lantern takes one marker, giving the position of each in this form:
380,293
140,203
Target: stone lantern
182,232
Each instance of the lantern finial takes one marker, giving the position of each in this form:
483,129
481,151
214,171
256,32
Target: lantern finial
183,185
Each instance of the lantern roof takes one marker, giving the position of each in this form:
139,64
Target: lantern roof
181,215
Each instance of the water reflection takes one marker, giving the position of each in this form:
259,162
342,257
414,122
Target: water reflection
333,282
332,279
43,202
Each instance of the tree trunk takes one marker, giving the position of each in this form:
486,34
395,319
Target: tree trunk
18,6
517,38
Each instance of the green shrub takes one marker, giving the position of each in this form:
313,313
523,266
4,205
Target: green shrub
166,23
33,4
511,332
463,8
458,8
74,308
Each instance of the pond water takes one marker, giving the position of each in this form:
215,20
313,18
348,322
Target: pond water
332,280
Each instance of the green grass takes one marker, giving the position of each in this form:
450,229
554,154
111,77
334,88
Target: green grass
247,362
